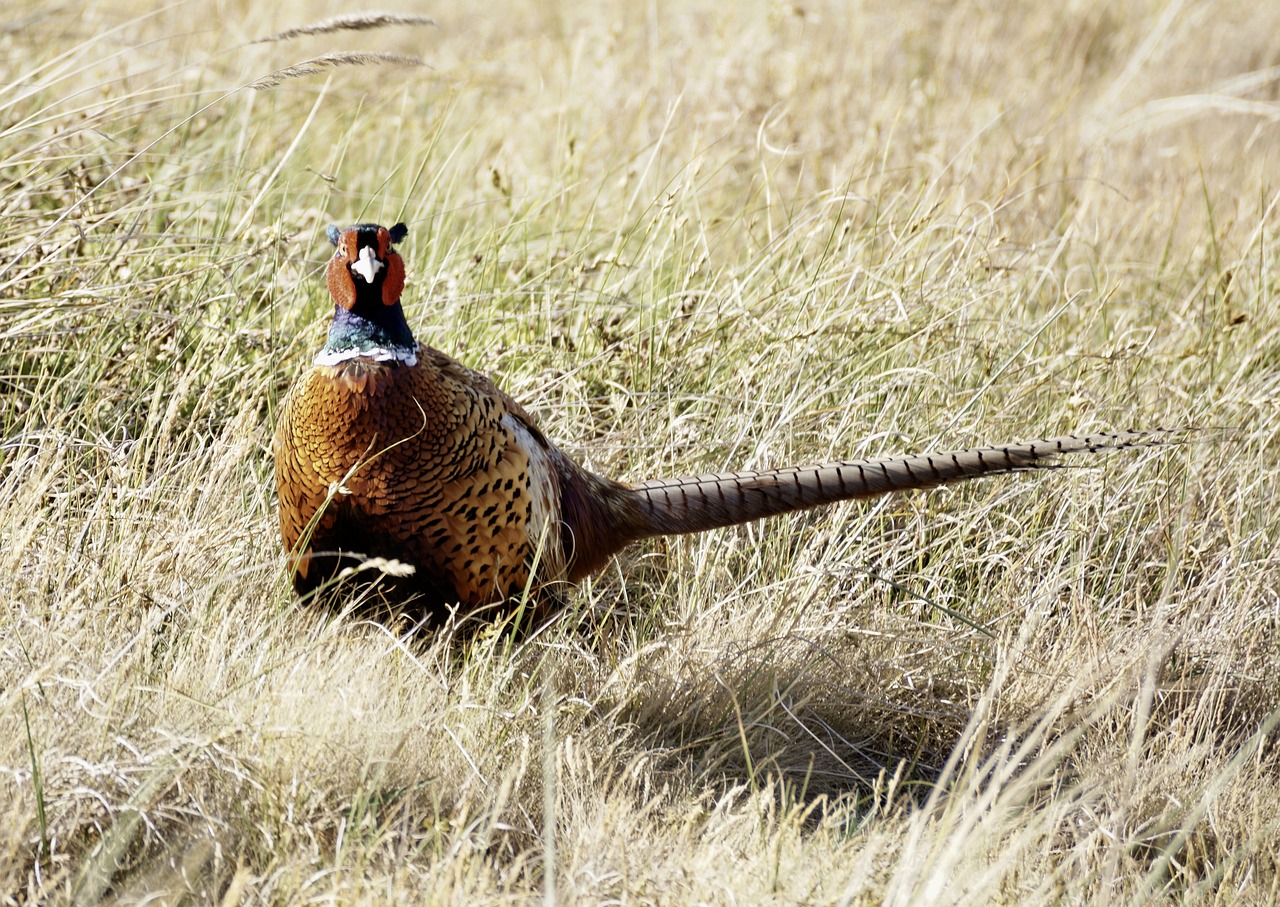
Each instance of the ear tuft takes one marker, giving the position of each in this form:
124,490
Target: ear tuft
399,232
333,233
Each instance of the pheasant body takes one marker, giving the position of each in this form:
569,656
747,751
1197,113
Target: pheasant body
387,448
416,463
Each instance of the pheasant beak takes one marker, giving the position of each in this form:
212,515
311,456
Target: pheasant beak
367,265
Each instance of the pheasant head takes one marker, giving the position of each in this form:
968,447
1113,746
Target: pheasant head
365,278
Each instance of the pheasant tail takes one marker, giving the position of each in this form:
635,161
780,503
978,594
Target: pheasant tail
698,503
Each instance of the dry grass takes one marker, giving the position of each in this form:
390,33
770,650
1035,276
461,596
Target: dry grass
691,238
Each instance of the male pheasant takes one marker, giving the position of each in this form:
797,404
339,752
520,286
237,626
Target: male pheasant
389,449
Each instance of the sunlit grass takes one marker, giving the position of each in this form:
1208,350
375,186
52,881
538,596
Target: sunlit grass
707,237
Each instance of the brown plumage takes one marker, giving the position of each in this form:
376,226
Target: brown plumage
389,449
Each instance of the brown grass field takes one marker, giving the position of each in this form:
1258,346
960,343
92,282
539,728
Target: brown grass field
690,236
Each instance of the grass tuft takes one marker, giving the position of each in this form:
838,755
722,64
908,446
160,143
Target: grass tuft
333,61
347,22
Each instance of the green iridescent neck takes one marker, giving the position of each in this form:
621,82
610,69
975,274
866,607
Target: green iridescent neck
377,332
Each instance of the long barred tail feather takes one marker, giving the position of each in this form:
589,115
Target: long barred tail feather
698,503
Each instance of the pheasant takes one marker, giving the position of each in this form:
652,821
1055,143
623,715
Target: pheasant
388,449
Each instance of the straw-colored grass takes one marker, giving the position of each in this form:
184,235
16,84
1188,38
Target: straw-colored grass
691,237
